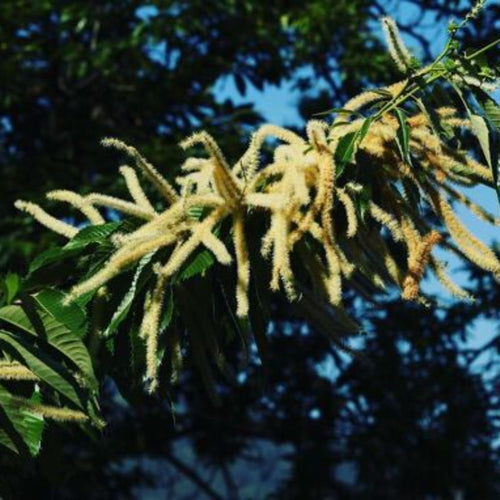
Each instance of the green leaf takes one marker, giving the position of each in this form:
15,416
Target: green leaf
491,110
72,315
347,145
480,129
339,111
92,234
487,140
403,136
41,364
345,151
49,256
43,324
124,307
196,212
383,93
198,265
88,235
169,310
23,429
12,283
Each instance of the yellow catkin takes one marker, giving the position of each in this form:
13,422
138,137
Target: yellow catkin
417,263
180,255
473,248
478,169
281,257
390,263
463,165
264,200
424,141
439,270
150,330
223,176
46,220
478,211
127,254
79,202
446,111
52,412
386,219
16,371
323,202
267,241
196,164
397,49
333,282
247,165
411,236
218,248
369,97
300,189
153,175
242,265
458,122
350,210
167,220
123,206
135,189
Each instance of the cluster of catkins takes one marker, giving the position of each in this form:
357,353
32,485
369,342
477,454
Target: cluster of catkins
299,192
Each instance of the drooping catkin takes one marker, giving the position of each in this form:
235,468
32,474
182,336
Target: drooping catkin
123,206
417,264
150,330
223,177
478,211
16,371
472,247
242,265
217,247
60,414
350,210
247,165
386,219
79,202
333,282
281,257
126,255
397,49
45,219
153,175
439,270
135,189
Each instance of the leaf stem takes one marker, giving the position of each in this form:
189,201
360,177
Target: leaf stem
484,49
